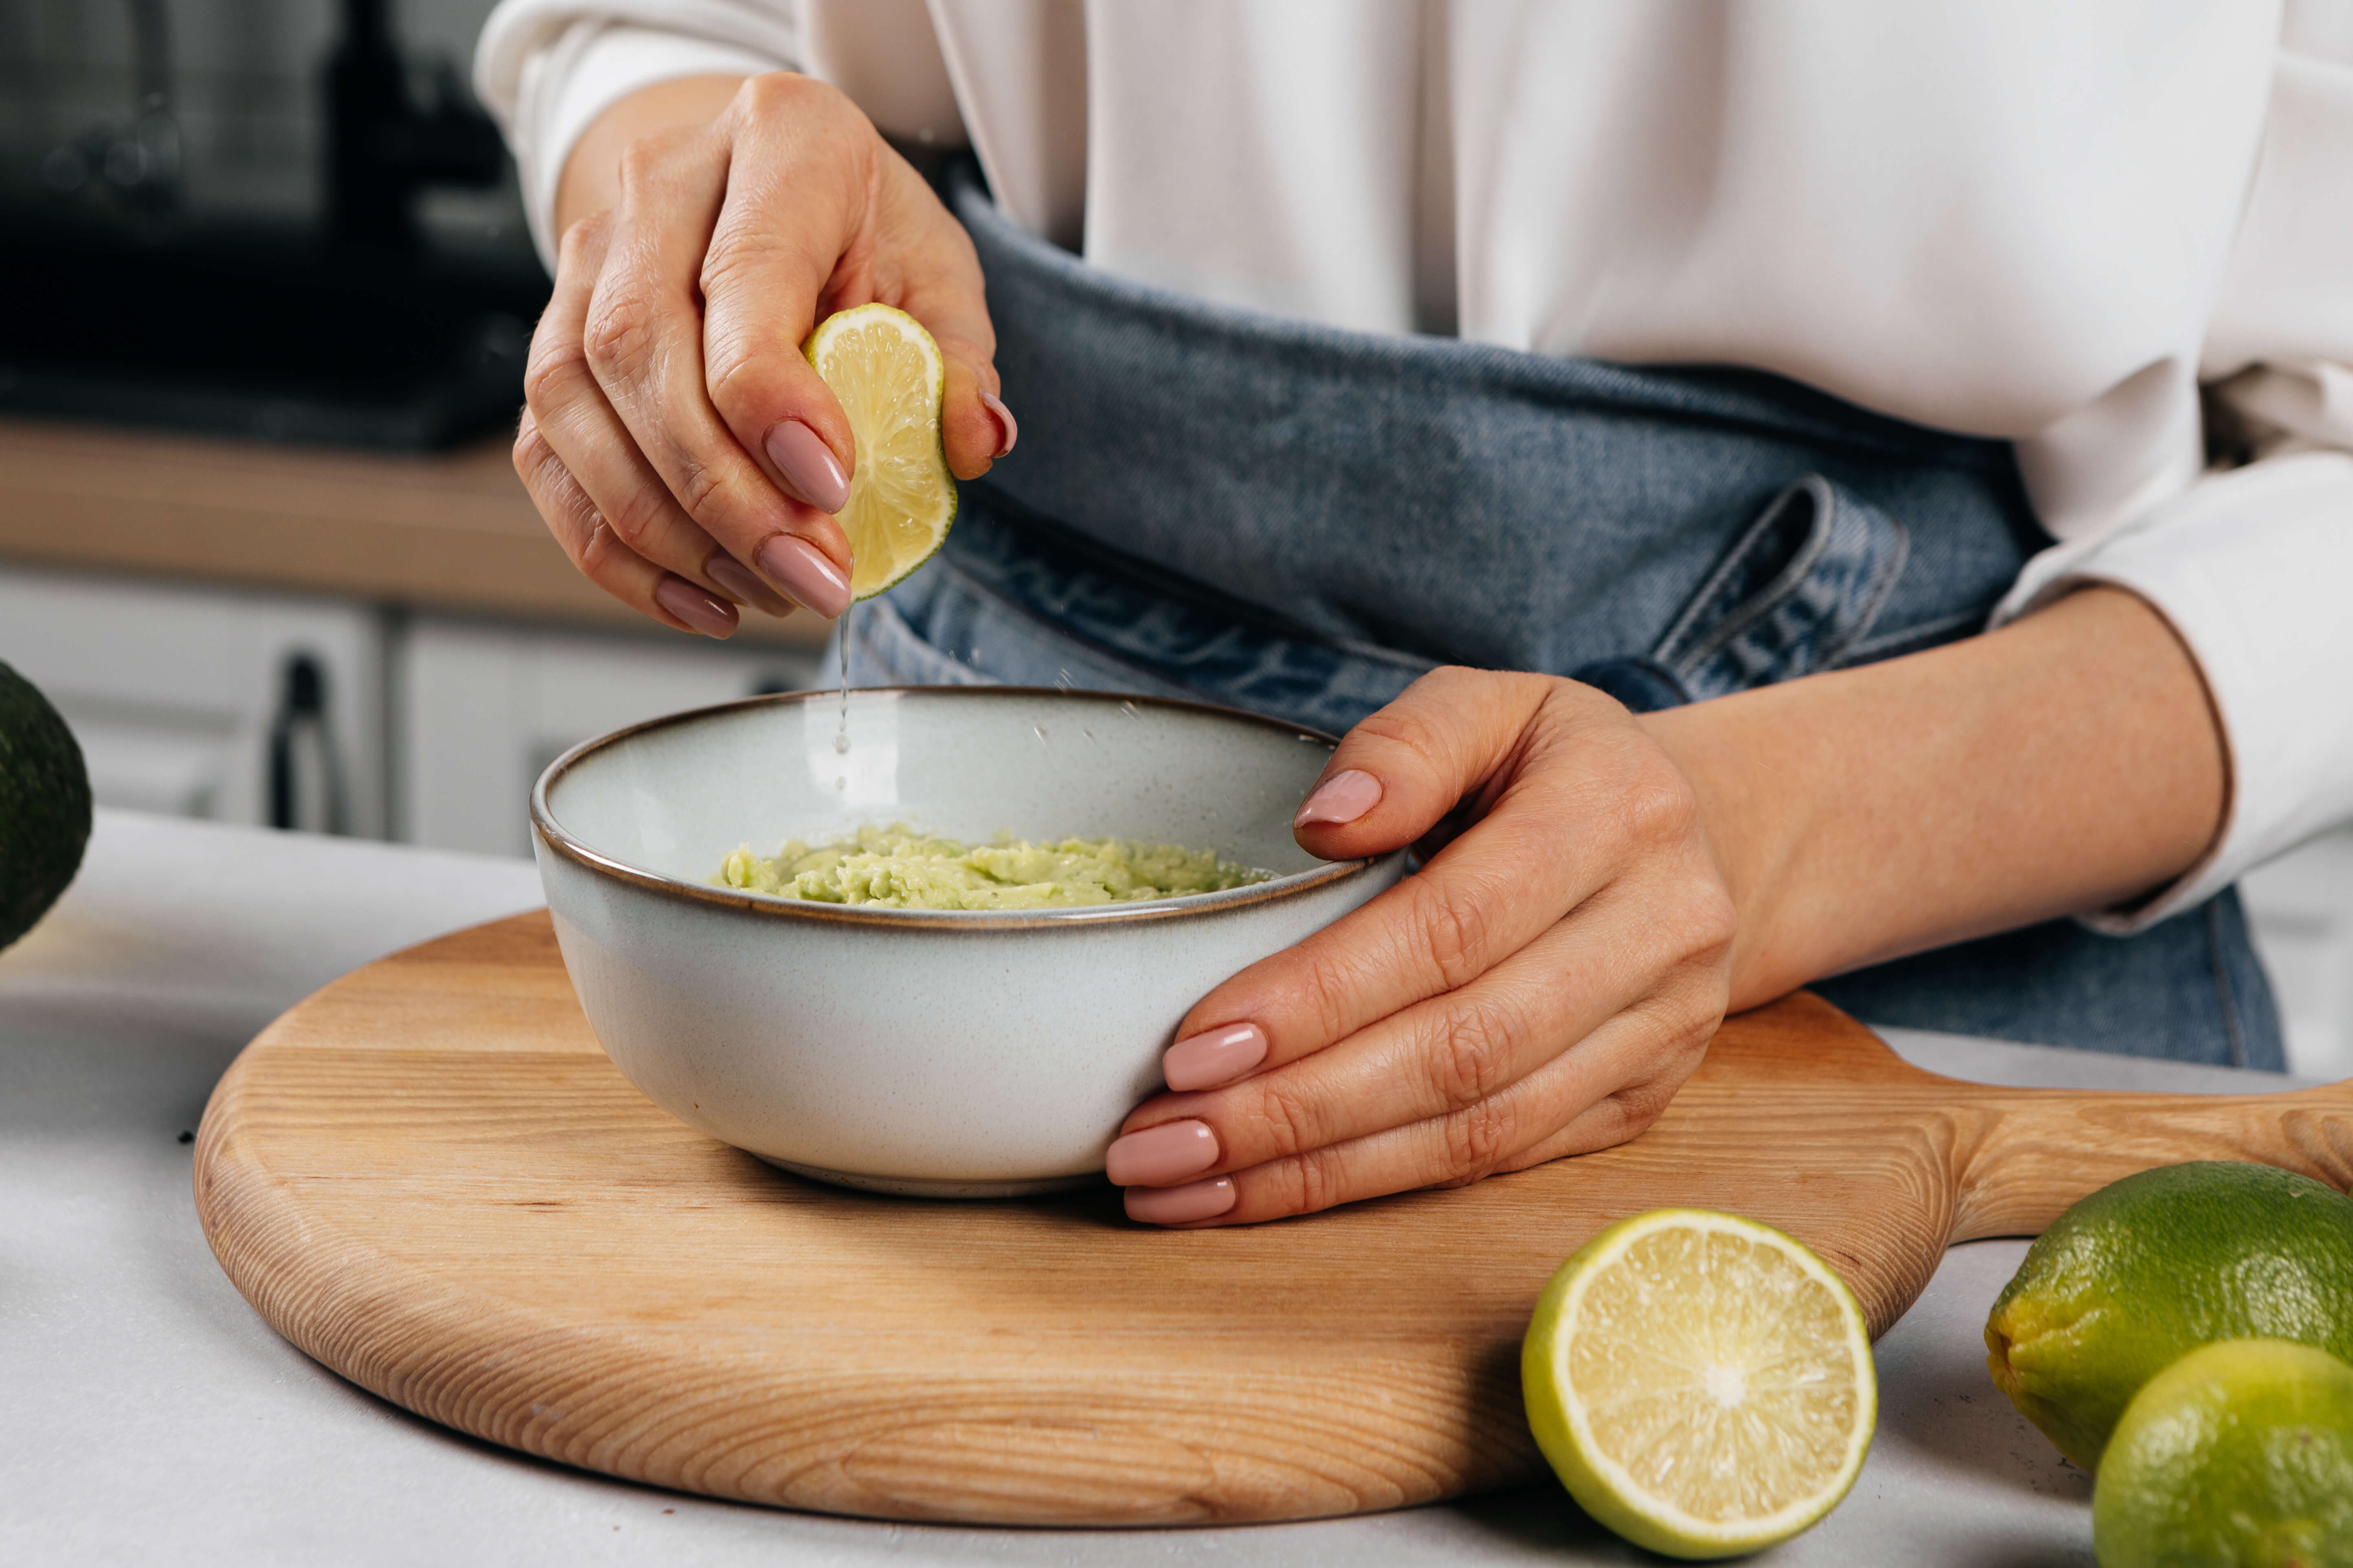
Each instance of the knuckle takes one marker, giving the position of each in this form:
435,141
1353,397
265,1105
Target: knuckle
642,160
603,552
621,330
1695,1020
1288,1118
742,256
1713,919
550,376
1640,1105
582,236
1324,984
1646,1102
1455,932
633,522
531,453
774,90
1316,1180
1681,1021
1473,1058
699,487
1406,728
1658,806
1479,1138
544,477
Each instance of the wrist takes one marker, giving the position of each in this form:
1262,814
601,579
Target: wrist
1755,825
2067,763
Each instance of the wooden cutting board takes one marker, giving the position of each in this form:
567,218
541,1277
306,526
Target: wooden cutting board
429,1178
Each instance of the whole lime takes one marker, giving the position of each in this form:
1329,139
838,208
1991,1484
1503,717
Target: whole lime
2150,1268
43,805
2238,1454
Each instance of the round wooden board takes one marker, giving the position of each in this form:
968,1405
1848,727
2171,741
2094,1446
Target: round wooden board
430,1177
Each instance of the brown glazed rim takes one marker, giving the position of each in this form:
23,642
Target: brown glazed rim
1189,906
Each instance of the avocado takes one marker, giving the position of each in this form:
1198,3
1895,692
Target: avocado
43,805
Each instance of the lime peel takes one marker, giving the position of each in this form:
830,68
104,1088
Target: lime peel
2241,1451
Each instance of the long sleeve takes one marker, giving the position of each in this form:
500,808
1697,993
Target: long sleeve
546,68
2252,565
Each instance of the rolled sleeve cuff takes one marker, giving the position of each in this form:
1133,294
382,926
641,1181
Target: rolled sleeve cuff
2254,569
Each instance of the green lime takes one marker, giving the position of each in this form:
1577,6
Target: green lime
2148,1269
889,376
1703,1384
43,805
2238,1456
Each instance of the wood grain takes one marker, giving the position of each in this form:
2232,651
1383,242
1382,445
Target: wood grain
428,1177
448,532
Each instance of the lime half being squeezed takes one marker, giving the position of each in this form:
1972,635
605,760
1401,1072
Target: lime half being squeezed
887,372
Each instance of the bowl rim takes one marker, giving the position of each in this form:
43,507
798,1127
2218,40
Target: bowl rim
559,839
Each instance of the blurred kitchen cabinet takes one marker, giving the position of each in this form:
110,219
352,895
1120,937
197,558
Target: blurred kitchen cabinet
483,707
226,703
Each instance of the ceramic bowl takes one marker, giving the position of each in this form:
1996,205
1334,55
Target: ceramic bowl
932,1053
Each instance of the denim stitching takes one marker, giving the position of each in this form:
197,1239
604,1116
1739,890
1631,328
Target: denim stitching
1805,617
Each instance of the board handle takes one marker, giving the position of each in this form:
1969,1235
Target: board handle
2022,1156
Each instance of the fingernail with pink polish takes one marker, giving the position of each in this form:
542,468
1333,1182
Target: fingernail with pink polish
1213,1056
1008,429
1158,1156
811,471
1181,1206
805,572
729,573
1344,797
711,617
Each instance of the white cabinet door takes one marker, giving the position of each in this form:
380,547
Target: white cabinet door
180,695
486,707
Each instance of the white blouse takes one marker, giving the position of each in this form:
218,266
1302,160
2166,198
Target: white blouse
2053,224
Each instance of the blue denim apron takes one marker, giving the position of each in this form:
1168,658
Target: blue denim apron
1283,516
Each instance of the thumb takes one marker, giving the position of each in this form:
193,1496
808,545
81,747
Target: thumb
1451,735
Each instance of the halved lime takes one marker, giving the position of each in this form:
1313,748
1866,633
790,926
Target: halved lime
887,371
1701,1382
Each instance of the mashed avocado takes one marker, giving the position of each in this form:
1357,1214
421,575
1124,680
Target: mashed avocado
900,869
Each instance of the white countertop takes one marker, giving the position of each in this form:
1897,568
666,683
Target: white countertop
148,1414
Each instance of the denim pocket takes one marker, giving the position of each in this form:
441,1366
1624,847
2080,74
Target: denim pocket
1797,593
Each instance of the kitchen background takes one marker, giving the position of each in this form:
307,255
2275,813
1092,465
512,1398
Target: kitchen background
267,289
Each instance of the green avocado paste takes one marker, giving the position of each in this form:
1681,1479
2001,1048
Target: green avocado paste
897,867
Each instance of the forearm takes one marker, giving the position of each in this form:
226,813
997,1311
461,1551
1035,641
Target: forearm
591,182
2068,761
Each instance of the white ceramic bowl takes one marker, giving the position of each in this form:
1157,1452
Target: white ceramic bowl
940,1054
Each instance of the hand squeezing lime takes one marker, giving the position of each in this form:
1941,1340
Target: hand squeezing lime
887,372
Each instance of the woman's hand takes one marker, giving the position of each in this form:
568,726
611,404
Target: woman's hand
1542,987
1552,976
683,453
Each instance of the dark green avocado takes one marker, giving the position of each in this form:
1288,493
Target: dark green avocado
43,805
